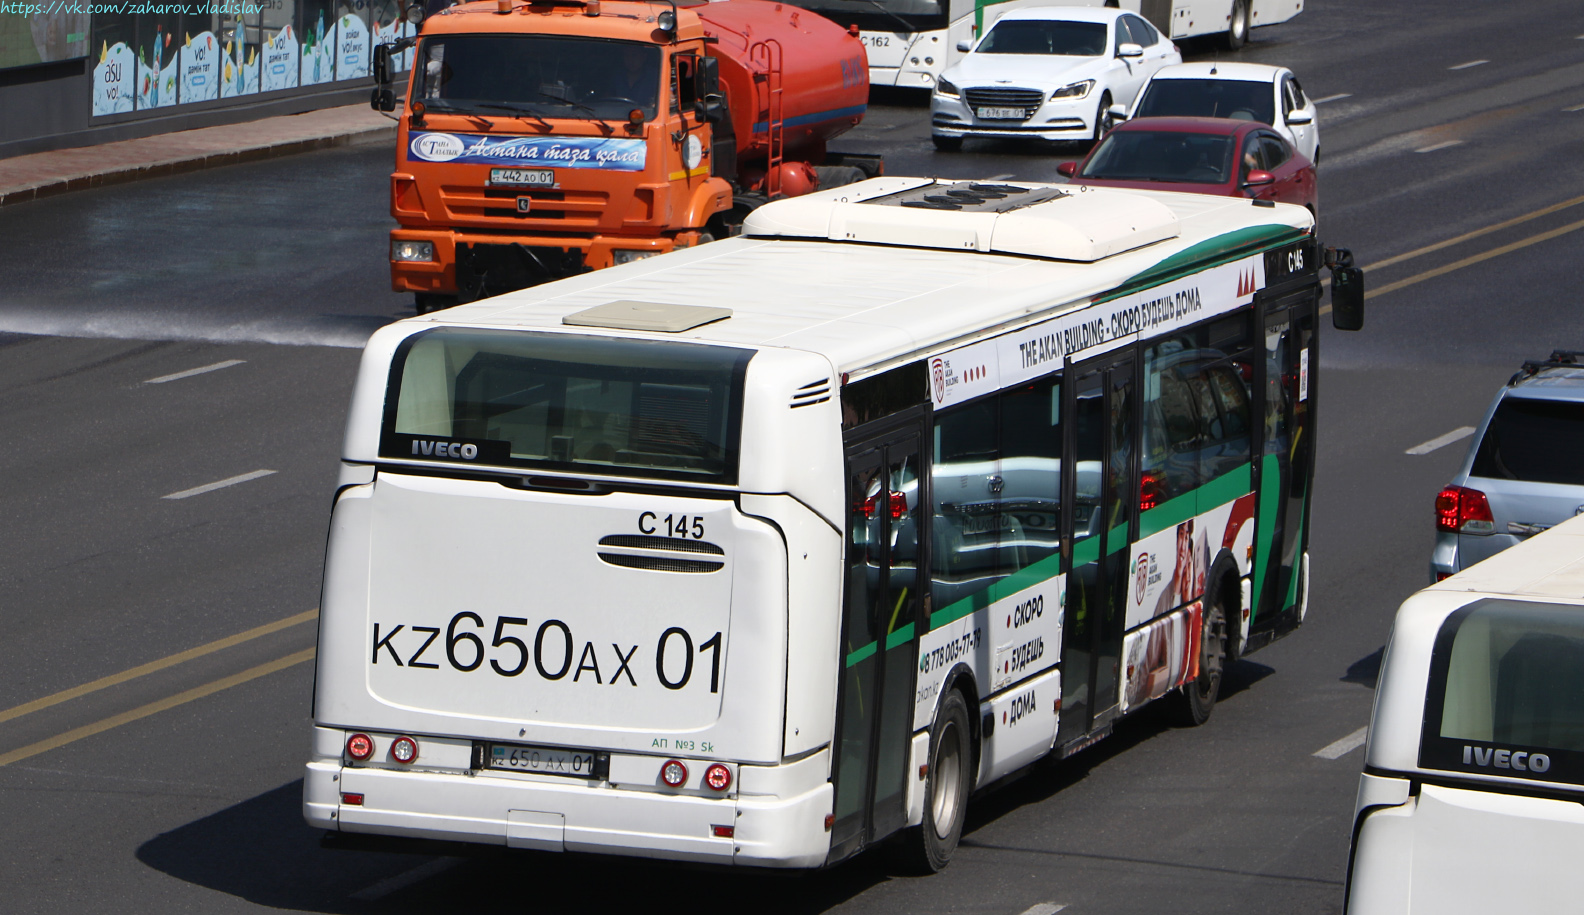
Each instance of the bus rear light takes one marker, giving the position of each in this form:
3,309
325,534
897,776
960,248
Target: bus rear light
404,749
360,746
351,800
718,777
1152,489
724,832
1463,510
673,773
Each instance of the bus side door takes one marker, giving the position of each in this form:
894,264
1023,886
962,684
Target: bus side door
887,514
1101,485
1285,468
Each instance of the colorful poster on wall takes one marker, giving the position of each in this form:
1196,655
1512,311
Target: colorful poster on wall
352,47
114,77
29,37
280,62
200,68
389,33
318,53
240,74
157,73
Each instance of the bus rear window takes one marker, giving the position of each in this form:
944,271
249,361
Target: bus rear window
600,405
1506,692
1538,441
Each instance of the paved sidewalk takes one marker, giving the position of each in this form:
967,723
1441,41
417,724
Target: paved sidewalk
46,173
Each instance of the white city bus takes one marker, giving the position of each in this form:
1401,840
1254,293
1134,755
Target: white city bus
910,42
766,550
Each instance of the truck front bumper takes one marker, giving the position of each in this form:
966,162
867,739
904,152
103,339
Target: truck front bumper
468,259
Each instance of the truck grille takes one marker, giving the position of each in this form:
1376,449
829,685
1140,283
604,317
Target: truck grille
1028,100
562,208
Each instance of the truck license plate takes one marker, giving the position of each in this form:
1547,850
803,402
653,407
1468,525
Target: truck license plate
523,177
1002,114
541,760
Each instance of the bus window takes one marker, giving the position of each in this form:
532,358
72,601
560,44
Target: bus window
1172,426
1031,469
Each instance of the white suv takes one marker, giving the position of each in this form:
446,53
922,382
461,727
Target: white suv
1050,73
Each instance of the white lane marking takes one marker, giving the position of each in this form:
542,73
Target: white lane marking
218,484
999,177
1465,66
1043,908
1441,441
405,879
1333,98
1344,746
1575,108
198,371
1448,144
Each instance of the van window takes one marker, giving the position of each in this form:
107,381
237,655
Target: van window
1504,698
602,405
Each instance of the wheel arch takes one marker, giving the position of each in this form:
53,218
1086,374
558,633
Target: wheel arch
1225,577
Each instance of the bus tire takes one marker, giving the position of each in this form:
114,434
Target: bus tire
1237,33
1196,700
928,847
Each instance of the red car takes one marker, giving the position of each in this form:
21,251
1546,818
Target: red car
1200,156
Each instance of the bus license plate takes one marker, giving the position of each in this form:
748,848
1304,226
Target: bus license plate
523,177
542,760
1002,114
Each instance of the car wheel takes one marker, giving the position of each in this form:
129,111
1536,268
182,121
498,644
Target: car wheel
1237,32
1103,119
946,144
928,847
1197,699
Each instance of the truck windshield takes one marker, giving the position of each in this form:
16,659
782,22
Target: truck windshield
1505,677
549,76
894,16
601,405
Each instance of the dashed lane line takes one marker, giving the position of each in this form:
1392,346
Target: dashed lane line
1441,441
201,370
405,879
1574,108
1468,64
1043,908
1343,747
132,673
1446,145
218,484
153,708
1333,98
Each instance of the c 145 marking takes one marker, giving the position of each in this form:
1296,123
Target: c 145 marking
553,655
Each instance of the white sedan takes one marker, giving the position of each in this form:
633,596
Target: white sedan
1245,92
1051,73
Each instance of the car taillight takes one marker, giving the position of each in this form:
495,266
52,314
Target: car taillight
673,773
718,777
1460,509
360,746
404,749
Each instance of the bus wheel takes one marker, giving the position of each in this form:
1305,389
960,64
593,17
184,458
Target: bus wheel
1237,32
929,847
1197,698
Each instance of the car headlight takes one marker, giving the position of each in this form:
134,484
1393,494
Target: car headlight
946,89
628,255
412,250
1076,90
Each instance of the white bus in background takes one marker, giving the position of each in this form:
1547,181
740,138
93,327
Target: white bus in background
910,42
1472,795
764,551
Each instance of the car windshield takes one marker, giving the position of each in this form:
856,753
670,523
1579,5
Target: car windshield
1238,99
1041,36
1538,441
1159,155
560,77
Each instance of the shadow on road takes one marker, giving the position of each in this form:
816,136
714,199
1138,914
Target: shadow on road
1366,670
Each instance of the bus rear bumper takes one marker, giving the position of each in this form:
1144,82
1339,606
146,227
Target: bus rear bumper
497,810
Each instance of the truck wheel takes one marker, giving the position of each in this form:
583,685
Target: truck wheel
433,301
928,847
946,144
1197,698
1237,32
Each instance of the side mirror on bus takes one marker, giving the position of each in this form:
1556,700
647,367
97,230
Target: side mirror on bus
1347,290
1067,169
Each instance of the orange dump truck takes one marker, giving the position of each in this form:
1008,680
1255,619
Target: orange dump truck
543,139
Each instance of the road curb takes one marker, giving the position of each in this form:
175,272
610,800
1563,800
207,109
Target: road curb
190,163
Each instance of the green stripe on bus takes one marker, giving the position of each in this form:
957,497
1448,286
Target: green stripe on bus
1222,249
862,654
900,637
1269,499
1219,491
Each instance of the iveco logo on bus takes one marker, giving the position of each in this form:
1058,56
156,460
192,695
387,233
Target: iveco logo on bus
1505,759
444,449
1245,285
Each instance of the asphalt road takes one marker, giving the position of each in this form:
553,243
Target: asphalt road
178,789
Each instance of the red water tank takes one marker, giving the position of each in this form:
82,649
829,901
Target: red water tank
820,68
